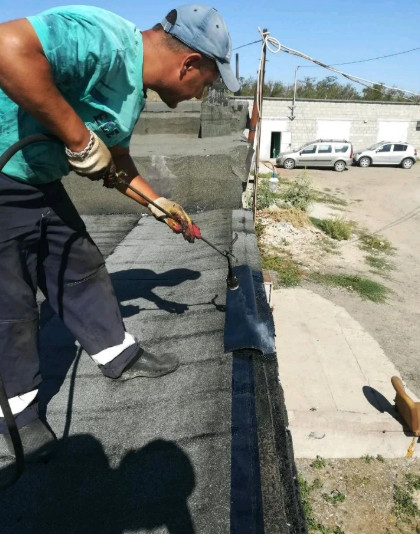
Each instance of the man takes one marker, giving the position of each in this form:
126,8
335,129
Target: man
80,73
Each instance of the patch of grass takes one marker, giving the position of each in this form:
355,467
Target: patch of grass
367,289
379,263
318,463
404,507
368,459
287,271
313,525
265,197
334,228
299,193
259,229
294,216
335,497
373,242
413,482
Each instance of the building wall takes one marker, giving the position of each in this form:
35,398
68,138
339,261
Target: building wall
361,122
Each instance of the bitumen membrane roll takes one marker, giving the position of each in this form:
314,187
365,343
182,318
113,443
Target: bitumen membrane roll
245,328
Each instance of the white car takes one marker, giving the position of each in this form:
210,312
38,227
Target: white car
333,153
387,153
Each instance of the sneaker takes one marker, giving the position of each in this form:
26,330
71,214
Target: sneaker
37,439
149,365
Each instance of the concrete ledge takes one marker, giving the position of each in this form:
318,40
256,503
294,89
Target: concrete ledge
201,174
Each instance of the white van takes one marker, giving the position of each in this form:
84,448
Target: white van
334,153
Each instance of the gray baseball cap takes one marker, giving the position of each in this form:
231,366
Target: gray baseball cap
203,29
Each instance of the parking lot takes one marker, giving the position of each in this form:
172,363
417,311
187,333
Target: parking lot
384,201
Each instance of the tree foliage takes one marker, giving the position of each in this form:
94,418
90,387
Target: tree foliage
328,88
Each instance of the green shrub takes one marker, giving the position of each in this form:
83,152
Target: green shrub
299,193
367,289
287,271
334,228
265,197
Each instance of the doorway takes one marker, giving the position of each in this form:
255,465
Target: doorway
275,144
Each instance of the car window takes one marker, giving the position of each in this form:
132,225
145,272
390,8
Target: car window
340,148
373,147
400,148
309,149
324,149
385,148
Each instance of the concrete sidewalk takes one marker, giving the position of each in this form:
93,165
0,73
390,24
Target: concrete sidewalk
336,381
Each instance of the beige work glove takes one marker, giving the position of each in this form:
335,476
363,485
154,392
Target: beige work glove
180,221
94,161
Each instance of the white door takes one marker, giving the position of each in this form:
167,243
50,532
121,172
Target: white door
392,131
286,142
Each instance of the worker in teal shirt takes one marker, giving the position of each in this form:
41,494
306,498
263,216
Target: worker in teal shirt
80,74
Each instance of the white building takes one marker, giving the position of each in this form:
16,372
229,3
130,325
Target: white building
361,122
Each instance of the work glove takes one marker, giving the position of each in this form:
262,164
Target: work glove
94,162
179,222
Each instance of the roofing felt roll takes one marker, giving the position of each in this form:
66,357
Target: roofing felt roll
248,323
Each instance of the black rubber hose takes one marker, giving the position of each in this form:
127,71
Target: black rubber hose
4,402
35,138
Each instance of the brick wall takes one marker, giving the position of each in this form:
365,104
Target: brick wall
365,120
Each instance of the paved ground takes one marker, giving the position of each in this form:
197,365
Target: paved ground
336,381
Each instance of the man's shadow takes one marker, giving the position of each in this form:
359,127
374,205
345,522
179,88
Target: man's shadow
140,283
78,491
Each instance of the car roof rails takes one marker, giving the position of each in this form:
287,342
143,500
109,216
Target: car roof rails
331,141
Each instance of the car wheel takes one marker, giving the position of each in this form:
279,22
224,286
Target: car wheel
364,161
289,163
339,166
407,163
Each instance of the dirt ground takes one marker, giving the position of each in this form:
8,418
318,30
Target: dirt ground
362,496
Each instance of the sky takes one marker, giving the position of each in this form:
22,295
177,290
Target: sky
330,31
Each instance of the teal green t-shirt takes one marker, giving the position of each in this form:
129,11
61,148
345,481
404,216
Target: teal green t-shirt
96,59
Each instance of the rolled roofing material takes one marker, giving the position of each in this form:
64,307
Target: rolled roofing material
248,324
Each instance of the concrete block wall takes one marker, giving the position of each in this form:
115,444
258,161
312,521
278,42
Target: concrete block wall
365,119
190,117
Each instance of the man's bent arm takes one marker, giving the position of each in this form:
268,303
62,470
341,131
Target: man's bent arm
26,77
124,162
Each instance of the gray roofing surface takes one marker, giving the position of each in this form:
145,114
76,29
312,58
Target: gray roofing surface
203,450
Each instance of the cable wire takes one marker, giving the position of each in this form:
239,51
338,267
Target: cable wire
363,60
274,46
351,77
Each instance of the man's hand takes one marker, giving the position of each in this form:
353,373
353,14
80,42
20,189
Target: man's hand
94,161
179,222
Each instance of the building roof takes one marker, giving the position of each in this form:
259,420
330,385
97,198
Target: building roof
203,450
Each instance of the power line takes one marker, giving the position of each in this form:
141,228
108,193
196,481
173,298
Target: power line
363,60
247,44
347,62
277,47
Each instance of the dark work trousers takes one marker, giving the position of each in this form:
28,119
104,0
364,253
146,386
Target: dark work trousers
44,243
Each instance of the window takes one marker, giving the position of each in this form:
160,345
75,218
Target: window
341,148
385,148
324,149
400,148
311,149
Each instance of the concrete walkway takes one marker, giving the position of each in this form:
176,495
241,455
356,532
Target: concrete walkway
336,381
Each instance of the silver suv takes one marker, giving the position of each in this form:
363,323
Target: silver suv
334,153
387,153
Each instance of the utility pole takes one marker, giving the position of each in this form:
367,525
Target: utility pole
256,119
238,92
292,107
